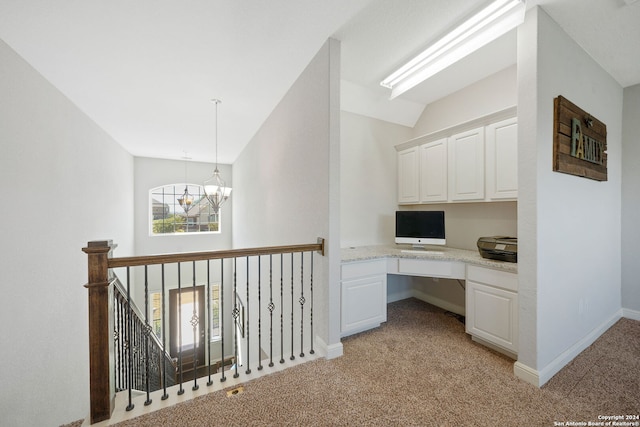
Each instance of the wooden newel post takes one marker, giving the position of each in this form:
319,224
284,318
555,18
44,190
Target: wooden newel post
101,362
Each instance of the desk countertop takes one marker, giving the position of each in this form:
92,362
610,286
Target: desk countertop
362,253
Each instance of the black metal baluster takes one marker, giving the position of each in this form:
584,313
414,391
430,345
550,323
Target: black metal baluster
140,384
180,368
281,309
209,325
125,344
271,307
246,323
311,308
140,380
259,313
123,341
124,372
195,321
130,406
147,331
235,313
137,372
165,396
302,301
292,357
223,378
117,333
134,353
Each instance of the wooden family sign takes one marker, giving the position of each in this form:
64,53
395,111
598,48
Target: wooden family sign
579,142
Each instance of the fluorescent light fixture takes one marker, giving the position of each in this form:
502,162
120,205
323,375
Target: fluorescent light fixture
487,25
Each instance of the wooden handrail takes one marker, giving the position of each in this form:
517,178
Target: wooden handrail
200,256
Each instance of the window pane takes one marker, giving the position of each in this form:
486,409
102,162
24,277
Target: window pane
156,313
181,208
215,309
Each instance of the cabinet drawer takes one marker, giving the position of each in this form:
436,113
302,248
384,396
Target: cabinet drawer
363,268
431,268
488,276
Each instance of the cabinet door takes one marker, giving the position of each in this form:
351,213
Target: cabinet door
466,165
502,160
492,314
364,304
408,176
433,171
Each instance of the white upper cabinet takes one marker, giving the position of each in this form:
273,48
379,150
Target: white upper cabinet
466,165
473,162
408,176
502,160
433,171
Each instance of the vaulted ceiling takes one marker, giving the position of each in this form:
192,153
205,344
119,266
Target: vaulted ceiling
145,71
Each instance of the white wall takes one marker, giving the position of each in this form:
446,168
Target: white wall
494,93
466,222
65,182
368,184
631,202
574,272
286,180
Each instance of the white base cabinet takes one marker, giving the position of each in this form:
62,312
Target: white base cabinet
364,296
492,307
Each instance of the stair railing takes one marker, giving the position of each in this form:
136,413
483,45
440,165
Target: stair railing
263,288
152,368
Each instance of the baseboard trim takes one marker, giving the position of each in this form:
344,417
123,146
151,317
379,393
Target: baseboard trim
494,347
330,351
445,305
526,373
398,296
540,377
631,314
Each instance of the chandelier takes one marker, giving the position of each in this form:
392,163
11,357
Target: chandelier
215,188
186,200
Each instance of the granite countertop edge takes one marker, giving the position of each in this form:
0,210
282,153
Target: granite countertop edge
363,253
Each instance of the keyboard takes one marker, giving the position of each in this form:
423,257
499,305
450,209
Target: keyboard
421,252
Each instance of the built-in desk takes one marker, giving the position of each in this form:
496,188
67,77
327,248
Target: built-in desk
491,291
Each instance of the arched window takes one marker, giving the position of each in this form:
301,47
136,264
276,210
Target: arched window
171,213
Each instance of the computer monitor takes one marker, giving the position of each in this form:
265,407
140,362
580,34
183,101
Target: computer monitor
420,228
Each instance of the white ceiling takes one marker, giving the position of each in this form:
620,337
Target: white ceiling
146,70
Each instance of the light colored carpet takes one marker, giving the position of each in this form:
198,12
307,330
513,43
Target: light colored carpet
421,369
